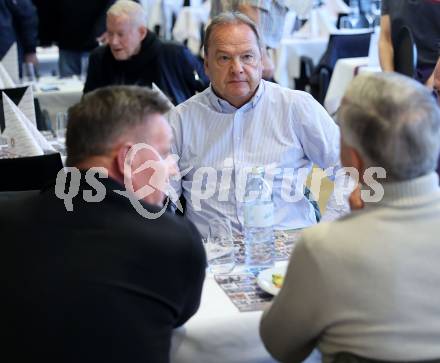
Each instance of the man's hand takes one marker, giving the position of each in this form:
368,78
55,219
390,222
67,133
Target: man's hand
355,199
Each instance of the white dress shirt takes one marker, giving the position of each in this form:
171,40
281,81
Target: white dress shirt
217,144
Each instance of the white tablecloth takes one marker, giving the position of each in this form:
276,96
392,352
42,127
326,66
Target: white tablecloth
68,92
344,72
289,53
220,333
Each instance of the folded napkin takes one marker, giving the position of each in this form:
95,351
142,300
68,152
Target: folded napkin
10,63
336,7
157,89
22,134
319,24
5,79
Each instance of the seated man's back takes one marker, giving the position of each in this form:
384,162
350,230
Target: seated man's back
91,269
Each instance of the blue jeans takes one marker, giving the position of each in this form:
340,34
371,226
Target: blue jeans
72,62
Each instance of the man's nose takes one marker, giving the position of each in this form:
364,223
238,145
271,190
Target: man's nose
113,40
236,66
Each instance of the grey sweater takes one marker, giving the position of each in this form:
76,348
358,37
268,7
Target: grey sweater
368,283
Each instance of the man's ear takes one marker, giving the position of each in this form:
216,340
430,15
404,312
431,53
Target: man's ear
357,161
121,157
205,65
143,32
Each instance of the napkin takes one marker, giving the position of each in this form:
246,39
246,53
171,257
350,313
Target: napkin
5,79
319,24
23,97
157,89
336,7
10,63
21,133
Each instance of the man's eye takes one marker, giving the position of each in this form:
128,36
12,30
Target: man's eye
223,58
247,58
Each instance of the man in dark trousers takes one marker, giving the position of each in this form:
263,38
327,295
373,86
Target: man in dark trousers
94,269
134,55
75,25
19,24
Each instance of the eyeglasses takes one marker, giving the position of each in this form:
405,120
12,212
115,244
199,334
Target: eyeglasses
249,59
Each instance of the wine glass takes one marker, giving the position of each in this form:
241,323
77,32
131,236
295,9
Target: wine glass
220,246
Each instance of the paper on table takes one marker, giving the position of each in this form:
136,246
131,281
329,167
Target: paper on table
27,140
157,89
5,79
10,62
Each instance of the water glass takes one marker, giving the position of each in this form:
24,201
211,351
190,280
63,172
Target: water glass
220,247
61,125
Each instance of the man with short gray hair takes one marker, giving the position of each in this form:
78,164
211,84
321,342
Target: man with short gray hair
134,55
369,284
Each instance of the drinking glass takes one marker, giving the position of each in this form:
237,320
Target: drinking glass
220,247
61,125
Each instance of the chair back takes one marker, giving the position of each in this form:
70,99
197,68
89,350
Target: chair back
345,46
29,173
405,52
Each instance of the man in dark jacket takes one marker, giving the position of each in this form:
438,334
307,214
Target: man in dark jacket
98,275
134,55
19,23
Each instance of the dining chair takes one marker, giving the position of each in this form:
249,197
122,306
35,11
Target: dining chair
340,45
29,173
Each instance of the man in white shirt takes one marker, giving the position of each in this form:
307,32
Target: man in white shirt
242,121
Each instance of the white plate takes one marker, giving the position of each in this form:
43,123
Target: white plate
264,279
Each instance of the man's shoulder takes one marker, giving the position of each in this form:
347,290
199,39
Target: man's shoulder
99,52
274,88
327,238
200,101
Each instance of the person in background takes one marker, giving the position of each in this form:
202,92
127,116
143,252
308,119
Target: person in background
80,24
368,284
134,55
19,23
242,121
108,278
422,18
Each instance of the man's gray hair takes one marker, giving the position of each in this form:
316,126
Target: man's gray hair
103,116
230,18
393,122
133,10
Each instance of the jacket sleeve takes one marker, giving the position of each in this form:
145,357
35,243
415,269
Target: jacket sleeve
195,263
293,323
25,19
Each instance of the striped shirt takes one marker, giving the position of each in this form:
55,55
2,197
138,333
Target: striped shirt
281,129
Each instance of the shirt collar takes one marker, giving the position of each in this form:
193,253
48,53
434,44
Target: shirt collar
224,106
